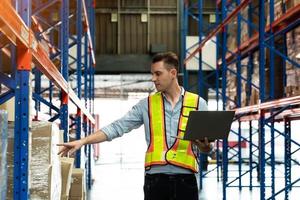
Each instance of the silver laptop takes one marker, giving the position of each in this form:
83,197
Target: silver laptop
210,124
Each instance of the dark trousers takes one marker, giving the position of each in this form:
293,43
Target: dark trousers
170,187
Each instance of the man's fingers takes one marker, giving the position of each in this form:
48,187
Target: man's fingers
65,145
64,154
63,150
72,151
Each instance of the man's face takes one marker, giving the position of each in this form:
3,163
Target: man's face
162,77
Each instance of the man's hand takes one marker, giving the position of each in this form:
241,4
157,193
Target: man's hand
70,147
203,146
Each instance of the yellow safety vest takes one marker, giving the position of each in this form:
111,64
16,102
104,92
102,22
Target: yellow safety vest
180,153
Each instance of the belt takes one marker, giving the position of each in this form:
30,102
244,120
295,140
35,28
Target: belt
170,176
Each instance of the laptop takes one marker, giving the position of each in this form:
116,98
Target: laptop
210,124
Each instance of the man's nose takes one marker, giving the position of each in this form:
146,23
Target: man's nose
153,78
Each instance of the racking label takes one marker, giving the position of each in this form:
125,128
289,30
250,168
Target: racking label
25,34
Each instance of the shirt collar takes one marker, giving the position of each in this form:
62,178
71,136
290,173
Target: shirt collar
182,92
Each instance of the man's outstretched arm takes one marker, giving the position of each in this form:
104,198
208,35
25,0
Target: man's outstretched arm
71,147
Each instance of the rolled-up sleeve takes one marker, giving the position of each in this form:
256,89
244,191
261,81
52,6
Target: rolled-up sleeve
131,120
202,105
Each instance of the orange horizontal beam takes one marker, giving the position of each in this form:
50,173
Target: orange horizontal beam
13,27
91,48
279,24
269,105
3,41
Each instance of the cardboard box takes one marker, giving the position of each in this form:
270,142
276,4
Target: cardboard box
77,186
66,174
6,66
292,3
9,106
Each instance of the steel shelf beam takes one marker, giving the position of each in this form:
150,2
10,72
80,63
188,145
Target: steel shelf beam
292,113
269,105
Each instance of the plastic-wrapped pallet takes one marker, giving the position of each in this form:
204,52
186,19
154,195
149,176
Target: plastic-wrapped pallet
45,164
3,148
10,160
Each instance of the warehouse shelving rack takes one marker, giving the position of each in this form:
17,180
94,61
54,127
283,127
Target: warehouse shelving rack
23,28
190,10
269,109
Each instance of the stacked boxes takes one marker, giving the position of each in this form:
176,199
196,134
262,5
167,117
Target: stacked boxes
10,107
254,97
77,191
293,73
3,151
292,3
277,10
293,52
44,165
231,87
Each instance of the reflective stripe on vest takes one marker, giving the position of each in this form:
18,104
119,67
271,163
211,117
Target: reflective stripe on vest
157,149
180,154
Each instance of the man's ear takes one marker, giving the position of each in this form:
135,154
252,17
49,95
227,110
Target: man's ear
174,72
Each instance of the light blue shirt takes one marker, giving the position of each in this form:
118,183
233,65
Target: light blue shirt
138,116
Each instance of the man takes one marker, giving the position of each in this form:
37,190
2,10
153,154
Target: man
170,163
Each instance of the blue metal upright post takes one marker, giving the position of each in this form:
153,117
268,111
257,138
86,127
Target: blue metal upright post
262,97
184,31
21,140
64,43
272,96
90,65
250,155
86,124
202,157
223,52
240,154
224,99
79,74
218,69
200,30
37,90
93,16
287,156
239,92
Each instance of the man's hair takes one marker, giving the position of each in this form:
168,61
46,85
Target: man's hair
170,60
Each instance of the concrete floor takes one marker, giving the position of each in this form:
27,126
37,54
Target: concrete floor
114,181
